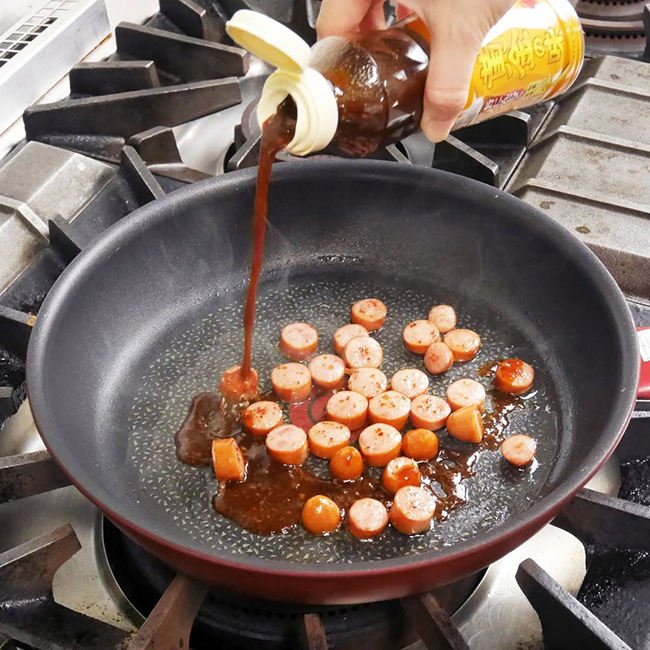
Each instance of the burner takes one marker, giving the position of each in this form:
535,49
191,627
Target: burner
240,622
615,27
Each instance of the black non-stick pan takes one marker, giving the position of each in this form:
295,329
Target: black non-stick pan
150,315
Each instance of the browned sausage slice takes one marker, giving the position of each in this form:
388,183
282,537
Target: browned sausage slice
320,515
327,371
400,472
367,382
419,335
410,382
261,417
348,408
370,313
363,352
429,412
345,333
227,460
347,464
420,444
519,450
514,376
379,444
299,341
291,382
443,317
235,388
465,392
412,510
288,444
367,518
438,358
465,424
464,344
326,438
391,408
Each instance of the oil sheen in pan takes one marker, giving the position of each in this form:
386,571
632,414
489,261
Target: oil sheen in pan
190,362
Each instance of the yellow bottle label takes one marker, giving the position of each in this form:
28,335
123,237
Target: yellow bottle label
533,53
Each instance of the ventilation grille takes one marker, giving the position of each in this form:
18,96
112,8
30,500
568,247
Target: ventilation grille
26,32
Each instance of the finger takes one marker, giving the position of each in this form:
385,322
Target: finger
341,17
374,19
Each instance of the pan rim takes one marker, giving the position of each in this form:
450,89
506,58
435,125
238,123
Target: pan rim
534,517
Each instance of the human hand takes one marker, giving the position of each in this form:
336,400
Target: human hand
457,29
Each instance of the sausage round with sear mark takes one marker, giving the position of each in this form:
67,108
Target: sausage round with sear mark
419,335
227,460
429,412
379,444
298,341
367,382
261,417
391,408
345,333
399,473
412,510
420,444
348,408
291,382
464,344
443,317
346,464
363,352
326,438
234,388
371,313
465,392
519,450
367,518
514,376
465,424
288,444
327,371
411,382
320,515
438,358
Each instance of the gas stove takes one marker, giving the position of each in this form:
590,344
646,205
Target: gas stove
165,99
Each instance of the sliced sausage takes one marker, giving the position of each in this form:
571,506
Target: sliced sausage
443,317
412,510
367,518
348,408
346,464
367,382
391,408
363,352
399,473
345,333
227,460
320,515
438,358
420,444
419,335
429,412
327,371
326,438
234,388
464,344
261,417
410,382
291,382
465,424
288,444
370,313
379,444
298,341
514,376
465,392
519,450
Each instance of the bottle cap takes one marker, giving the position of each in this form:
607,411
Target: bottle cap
317,110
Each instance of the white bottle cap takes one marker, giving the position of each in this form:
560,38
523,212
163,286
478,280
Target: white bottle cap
317,110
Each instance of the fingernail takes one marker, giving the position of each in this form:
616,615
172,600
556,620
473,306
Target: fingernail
436,130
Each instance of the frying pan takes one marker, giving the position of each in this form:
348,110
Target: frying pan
150,314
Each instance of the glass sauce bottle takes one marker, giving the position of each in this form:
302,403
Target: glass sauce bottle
358,93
